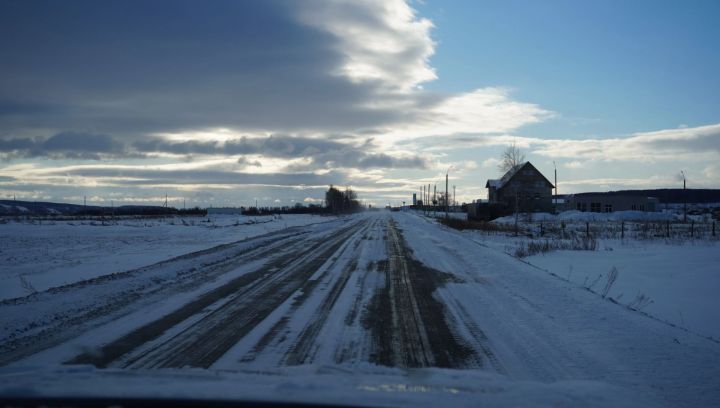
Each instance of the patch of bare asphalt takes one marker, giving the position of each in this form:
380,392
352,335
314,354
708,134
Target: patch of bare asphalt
255,296
408,324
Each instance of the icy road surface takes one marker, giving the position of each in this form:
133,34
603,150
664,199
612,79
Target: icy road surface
379,291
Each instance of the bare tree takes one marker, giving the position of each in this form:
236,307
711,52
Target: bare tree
511,157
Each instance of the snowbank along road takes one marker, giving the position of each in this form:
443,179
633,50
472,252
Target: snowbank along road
373,289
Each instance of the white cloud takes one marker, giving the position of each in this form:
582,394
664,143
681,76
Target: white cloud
490,162
384,42
480,112
698,143
712,172
575,164
381,40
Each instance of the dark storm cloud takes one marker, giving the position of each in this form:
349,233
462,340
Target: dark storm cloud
383,160
324,153
140,177
272,146
64,145
136,66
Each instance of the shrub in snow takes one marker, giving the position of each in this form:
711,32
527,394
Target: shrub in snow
640,302
611,278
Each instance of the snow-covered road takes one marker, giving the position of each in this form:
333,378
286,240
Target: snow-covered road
376,291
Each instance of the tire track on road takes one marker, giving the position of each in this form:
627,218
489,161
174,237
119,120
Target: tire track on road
251,298
302,351
133,288
409,326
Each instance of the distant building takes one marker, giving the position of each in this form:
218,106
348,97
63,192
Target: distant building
414,199
523,188
225,210
610,202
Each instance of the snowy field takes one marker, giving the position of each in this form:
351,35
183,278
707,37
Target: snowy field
680,281
35,256
675,280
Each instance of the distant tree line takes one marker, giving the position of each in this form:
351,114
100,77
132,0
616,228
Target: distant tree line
298,208
336,202
341,202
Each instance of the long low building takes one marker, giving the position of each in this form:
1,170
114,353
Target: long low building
609,202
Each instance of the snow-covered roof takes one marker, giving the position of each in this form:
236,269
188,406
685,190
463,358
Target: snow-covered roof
510,173
498,183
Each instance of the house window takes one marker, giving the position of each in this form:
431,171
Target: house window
582,207
642,207
595,207
633,207
608,207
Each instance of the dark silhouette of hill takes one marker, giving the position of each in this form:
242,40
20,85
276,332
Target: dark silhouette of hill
13,207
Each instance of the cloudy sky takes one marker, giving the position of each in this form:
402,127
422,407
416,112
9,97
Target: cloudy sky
225,102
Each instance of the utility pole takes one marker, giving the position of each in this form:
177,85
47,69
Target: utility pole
434,199
684,197
454,197
517,211
556,193
428,198
446,194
